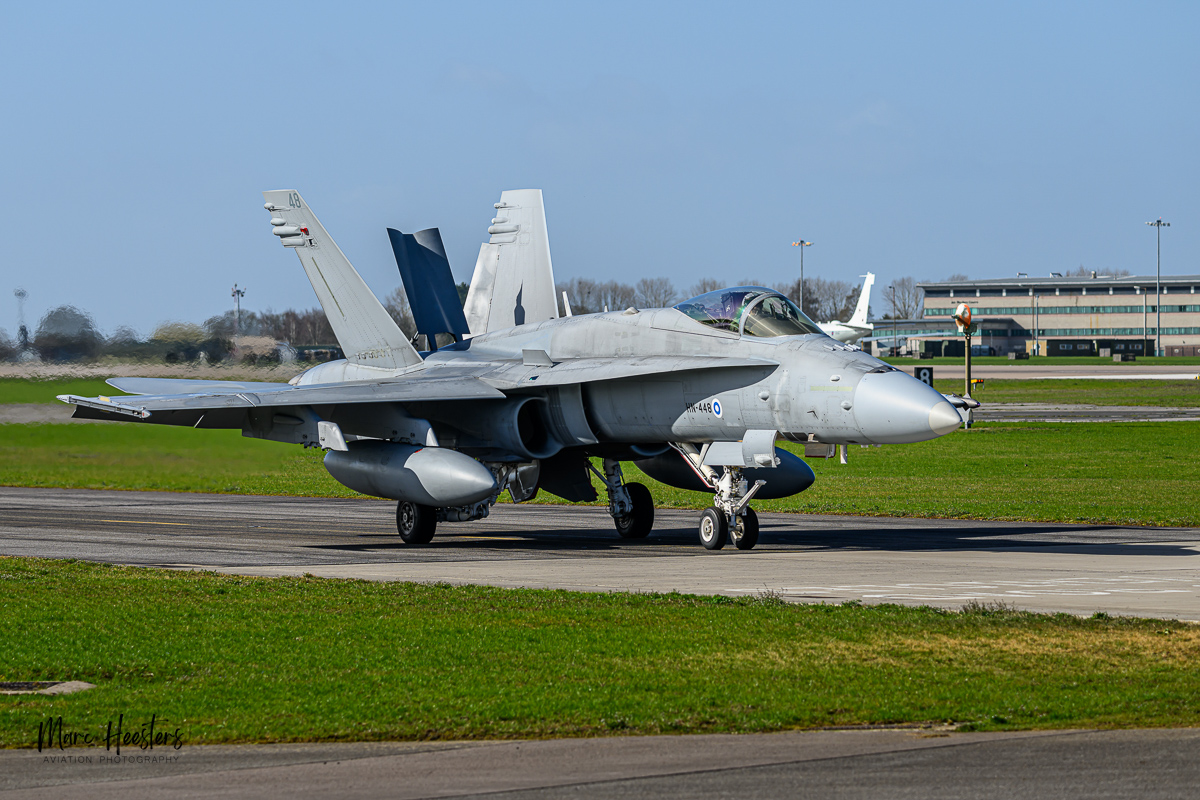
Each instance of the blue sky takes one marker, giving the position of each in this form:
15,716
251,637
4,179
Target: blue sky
678,139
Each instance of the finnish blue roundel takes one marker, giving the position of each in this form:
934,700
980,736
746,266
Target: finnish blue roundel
717,408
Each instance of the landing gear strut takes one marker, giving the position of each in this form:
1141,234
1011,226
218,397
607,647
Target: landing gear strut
730,516
732,504
630,504
415,522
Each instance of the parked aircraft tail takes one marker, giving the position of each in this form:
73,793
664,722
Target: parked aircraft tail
859,319
513,282
366,332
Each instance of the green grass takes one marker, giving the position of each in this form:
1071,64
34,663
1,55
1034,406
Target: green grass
232,659
159,458
1110,473
25,390
1142,362
1068,390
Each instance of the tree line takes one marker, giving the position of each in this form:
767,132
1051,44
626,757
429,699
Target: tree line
67,333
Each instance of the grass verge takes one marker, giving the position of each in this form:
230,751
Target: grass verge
1066,391
1143,363
232,659
1106,473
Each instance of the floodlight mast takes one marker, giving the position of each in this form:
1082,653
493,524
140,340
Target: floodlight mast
895,332
22,331
238,294
1158,225
802,244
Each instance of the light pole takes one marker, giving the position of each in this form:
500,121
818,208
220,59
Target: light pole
22,331
802,244
1158,225
238,294
895,332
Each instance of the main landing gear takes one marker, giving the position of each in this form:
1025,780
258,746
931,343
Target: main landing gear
630,504
415,522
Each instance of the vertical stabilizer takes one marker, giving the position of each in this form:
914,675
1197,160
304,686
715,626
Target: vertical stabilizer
513,282
864,302
366,332
429,284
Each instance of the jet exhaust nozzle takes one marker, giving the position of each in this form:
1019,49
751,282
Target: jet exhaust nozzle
430,476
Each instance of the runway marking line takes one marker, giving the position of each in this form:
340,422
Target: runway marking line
489,538
145,522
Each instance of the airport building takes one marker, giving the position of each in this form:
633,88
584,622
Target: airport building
1088,315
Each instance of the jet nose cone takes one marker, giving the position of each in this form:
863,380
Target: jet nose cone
895,408
943,419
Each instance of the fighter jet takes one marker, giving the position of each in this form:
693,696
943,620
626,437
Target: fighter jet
521,399
857,327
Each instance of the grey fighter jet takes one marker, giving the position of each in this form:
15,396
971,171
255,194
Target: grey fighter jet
518,398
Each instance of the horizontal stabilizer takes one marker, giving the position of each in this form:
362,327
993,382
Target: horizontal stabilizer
366,332
429,284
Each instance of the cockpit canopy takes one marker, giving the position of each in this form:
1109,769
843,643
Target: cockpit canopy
749,311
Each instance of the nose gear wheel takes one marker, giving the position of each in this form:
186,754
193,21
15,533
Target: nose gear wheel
714,530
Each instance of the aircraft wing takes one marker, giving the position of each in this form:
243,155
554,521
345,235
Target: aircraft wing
586,370
191,386
178,408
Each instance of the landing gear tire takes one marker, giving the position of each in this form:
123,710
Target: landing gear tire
747,530
637,523
416,523
714,529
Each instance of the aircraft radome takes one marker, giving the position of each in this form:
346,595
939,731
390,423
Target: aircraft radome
522,399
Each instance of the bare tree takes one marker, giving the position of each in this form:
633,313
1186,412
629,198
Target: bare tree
654,293
397,305
588,296
823,300
582,293
616,296
7,348
904,298
1083,272
705,285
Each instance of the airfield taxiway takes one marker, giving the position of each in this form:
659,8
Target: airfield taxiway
1078,569
925,764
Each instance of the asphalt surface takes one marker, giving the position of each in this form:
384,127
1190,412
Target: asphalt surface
1048,370
825,764
1075,568
1078,569
1081,412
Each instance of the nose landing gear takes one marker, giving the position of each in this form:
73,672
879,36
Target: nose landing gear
730,517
